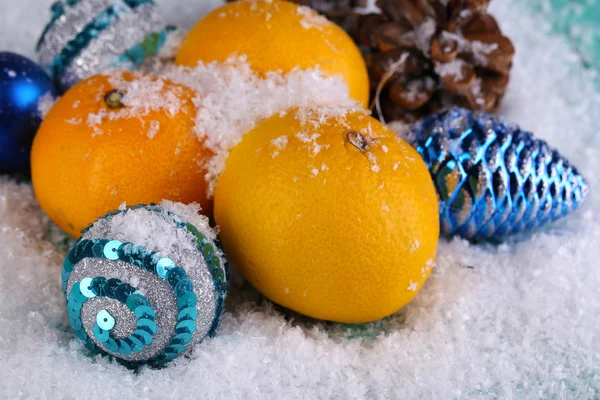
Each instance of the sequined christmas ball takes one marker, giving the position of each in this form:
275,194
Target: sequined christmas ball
145,284
86,37
493,179
22,85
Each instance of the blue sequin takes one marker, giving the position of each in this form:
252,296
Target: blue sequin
182,287
163,266
144,336
100,333
74,308
123,292
111,345
84,287
187,313
124,348
112,285
136,300
175,275
147,324
76,323
98,248
111,250
187,300
136,344
175,348
185,327
76,298
81,333
182,338
99,285
144,312
104,320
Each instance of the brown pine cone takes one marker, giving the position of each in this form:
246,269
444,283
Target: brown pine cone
455,54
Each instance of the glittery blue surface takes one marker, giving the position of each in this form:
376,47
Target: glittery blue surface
165,268
492,178
22,83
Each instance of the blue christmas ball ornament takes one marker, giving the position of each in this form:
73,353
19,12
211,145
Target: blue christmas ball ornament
145,284
22,83
492,178
87,37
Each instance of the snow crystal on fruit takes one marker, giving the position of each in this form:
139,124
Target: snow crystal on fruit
45,103
280,142
413,286
154,127
231,99
384,206
311,19
373,159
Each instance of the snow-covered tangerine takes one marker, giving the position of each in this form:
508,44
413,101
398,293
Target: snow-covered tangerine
128,138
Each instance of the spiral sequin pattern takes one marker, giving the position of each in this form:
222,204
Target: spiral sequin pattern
143,306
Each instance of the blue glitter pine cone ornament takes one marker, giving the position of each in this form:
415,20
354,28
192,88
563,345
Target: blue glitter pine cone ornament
492,178
145,284
87,37
22,85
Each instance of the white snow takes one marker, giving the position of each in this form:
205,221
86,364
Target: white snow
518,320
45,103
231,99
155,231
154,128
311,19
452,68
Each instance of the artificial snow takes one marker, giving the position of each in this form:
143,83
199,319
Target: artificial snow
231,99
311,19
45,103
516,320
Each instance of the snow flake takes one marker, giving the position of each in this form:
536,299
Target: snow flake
374,166
384,206
154,127
415,246
311,19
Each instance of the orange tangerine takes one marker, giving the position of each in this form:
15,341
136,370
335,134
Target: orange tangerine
336,218
113,140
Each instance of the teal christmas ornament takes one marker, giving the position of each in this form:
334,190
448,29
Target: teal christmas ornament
22,84
492,178
145,284
87,37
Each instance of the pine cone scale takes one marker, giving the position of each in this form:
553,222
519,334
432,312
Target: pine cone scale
465,55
